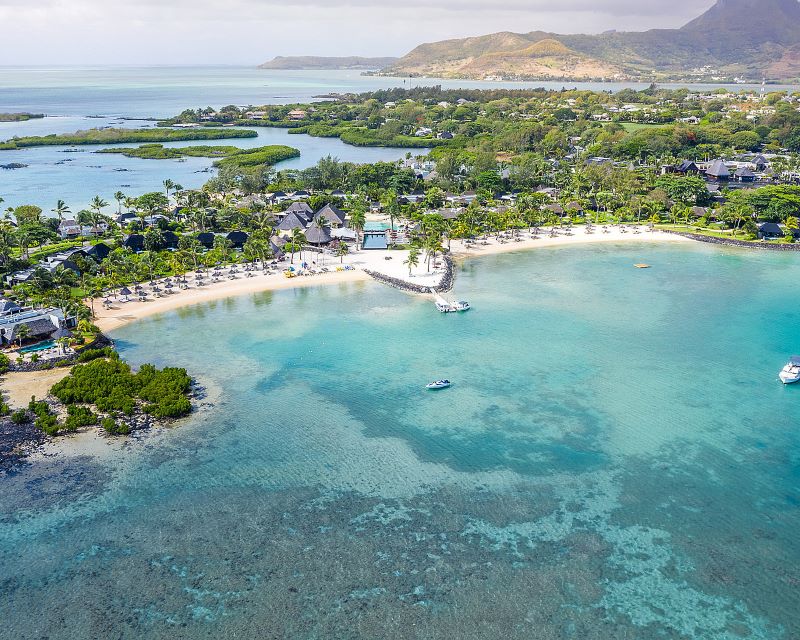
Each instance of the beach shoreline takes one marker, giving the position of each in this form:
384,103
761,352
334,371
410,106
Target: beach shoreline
123,313
578,238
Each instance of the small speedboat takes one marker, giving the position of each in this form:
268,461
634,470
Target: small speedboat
461,305
439,384
791,372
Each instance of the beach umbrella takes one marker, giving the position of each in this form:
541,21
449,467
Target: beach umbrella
124,291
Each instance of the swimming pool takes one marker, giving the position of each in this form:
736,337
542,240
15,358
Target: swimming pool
375,226
39,346
374,241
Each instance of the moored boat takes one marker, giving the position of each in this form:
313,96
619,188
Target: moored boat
439,384
791,372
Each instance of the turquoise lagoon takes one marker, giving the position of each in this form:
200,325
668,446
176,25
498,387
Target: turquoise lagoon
616,459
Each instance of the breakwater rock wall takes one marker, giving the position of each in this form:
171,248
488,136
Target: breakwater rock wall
445,284
730,242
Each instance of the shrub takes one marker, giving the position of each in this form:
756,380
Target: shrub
94,354
38,407
115,428
5,363
78,417
170,408
5,410
111,386
48,424
20,416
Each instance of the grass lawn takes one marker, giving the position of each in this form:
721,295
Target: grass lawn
630,127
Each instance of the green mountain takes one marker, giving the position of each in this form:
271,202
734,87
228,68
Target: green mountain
754,39
319,62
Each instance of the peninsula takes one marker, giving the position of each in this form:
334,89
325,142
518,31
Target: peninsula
293,63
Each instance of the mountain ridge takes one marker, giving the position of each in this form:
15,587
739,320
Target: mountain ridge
751,38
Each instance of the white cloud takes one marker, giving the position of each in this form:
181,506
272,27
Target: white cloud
250,31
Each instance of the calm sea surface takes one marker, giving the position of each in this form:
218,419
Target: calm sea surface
616,459
76,98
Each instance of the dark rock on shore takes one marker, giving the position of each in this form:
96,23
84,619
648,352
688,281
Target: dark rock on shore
730,242
17,441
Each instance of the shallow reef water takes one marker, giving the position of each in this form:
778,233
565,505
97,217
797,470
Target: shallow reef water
615,459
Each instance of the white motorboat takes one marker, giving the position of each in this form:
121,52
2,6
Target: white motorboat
445,306
439,384
791,372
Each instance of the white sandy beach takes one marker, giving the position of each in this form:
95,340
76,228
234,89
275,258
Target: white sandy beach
390,263
19,386
578,237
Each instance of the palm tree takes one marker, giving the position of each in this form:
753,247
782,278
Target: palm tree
391,205
412,260
433,245
169,185
190,247
342,251
61,209
23,333
97,205
358,220
298,240
262,221
120,198
24,241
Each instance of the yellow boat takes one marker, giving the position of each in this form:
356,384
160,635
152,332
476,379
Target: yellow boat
642,266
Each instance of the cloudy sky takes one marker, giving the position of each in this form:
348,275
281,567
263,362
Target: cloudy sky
251,31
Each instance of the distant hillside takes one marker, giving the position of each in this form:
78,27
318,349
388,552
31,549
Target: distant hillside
317,62
745,38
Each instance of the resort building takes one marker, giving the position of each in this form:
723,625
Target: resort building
40,323
718,170
335,217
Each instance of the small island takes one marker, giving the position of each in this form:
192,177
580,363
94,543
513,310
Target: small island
121,136
20,117
99,390
233,156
